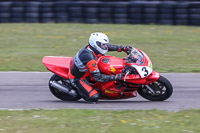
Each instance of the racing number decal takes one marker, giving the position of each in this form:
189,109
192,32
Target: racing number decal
145,70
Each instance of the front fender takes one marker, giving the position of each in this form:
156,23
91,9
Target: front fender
154,76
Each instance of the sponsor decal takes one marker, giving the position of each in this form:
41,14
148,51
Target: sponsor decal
112,69
109,91
149,65
157,74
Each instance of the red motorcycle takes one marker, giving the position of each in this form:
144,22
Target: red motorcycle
139,77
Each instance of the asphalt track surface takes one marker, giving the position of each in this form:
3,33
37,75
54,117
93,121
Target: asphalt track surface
29,90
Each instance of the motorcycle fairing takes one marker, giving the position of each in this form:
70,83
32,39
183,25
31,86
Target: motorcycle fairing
154,76
110,91
57,65
135,79
143,64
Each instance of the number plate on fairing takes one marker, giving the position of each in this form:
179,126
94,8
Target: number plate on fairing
143,71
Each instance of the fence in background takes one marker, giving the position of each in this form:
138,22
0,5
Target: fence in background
132,12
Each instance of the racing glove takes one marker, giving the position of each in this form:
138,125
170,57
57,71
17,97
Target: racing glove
126,49
105,78
117,77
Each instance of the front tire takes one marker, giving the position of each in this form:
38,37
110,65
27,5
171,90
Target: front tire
162,88
61,95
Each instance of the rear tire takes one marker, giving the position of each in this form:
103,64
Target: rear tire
162,87
61,95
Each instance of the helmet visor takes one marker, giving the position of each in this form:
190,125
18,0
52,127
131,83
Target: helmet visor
103,46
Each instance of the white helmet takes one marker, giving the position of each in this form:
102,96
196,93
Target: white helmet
99,41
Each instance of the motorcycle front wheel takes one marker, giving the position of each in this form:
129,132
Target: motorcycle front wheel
62,95
162,89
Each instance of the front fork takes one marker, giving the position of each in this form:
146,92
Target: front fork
151,90
154,76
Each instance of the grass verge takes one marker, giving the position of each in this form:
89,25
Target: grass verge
171,48
99,121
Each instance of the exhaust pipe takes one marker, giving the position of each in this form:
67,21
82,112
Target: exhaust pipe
63,88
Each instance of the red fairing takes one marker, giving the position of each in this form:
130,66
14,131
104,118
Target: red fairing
109,89
135,79
154,76
57,65
110,65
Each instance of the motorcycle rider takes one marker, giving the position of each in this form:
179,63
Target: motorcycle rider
85,62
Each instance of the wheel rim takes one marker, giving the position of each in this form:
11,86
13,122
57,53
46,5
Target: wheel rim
157,87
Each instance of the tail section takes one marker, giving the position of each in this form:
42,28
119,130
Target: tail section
57,65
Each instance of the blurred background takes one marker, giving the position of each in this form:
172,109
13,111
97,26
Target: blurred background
175,12
168,31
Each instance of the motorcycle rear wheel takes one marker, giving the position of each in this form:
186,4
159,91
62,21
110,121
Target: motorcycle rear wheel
162,87
61,95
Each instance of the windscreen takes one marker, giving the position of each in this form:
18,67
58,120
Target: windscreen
136,55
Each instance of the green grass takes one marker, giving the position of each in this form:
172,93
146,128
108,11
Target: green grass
99,121
171,48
